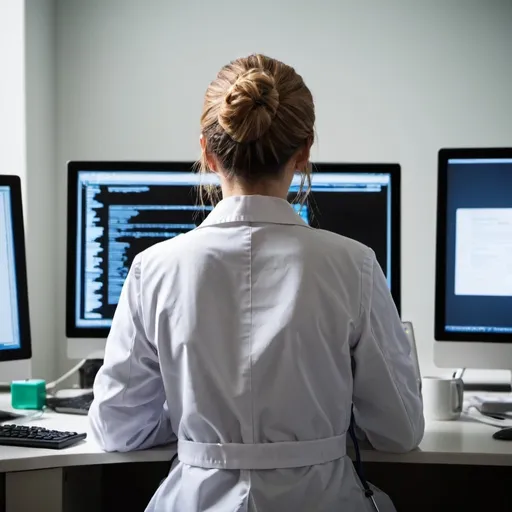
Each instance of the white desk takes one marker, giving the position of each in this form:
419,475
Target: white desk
456,442
453,442
85,453
33,473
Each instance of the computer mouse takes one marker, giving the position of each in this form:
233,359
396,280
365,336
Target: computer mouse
505,434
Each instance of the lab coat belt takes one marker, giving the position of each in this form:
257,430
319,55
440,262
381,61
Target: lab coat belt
290,454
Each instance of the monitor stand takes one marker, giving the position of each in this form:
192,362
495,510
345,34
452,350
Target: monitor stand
487,381
15,370
9,371
86,348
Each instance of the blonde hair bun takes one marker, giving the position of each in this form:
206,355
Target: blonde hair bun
249,106
257,113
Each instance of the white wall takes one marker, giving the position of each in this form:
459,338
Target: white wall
12,120
12,84
393,81
27,149
41,182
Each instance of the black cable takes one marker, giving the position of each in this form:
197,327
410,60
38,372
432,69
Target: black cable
358,463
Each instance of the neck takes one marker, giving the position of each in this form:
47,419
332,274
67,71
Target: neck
269,188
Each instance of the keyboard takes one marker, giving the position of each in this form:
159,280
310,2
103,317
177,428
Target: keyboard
37,437
71,405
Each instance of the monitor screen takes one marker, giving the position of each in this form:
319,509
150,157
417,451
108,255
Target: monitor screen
14,328
9,314
115,214
474,266
356,205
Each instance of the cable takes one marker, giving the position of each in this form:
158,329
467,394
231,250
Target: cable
458,374
52,385
6,386
358,463
368,492
499,421
34,415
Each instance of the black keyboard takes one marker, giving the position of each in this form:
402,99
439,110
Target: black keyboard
37,437
71,405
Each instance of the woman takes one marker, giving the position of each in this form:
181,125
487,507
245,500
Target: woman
237,338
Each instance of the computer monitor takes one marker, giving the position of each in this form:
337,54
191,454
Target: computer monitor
117,209
15,342
473,310
360,201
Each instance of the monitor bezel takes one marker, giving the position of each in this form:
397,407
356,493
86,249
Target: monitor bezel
72,331
440,333
24,351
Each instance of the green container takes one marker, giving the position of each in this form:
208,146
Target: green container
28,394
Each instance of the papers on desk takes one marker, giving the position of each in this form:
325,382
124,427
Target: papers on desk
474,406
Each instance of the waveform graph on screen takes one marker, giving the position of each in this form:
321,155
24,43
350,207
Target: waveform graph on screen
121,220
94,252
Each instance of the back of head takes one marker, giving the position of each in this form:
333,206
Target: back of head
257,113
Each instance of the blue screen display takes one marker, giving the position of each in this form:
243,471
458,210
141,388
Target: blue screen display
479,246
9,313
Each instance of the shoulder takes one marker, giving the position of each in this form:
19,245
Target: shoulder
341,248
172,248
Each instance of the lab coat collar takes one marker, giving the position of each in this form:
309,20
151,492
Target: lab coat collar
260,209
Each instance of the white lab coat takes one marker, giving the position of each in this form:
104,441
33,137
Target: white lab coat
237,338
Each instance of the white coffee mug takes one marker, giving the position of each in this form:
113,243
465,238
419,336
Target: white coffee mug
442,398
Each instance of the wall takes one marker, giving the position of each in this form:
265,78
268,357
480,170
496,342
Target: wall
12,121
41,182
12,83
393,81
27,149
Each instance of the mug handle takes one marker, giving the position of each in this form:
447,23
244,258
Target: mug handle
458,390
